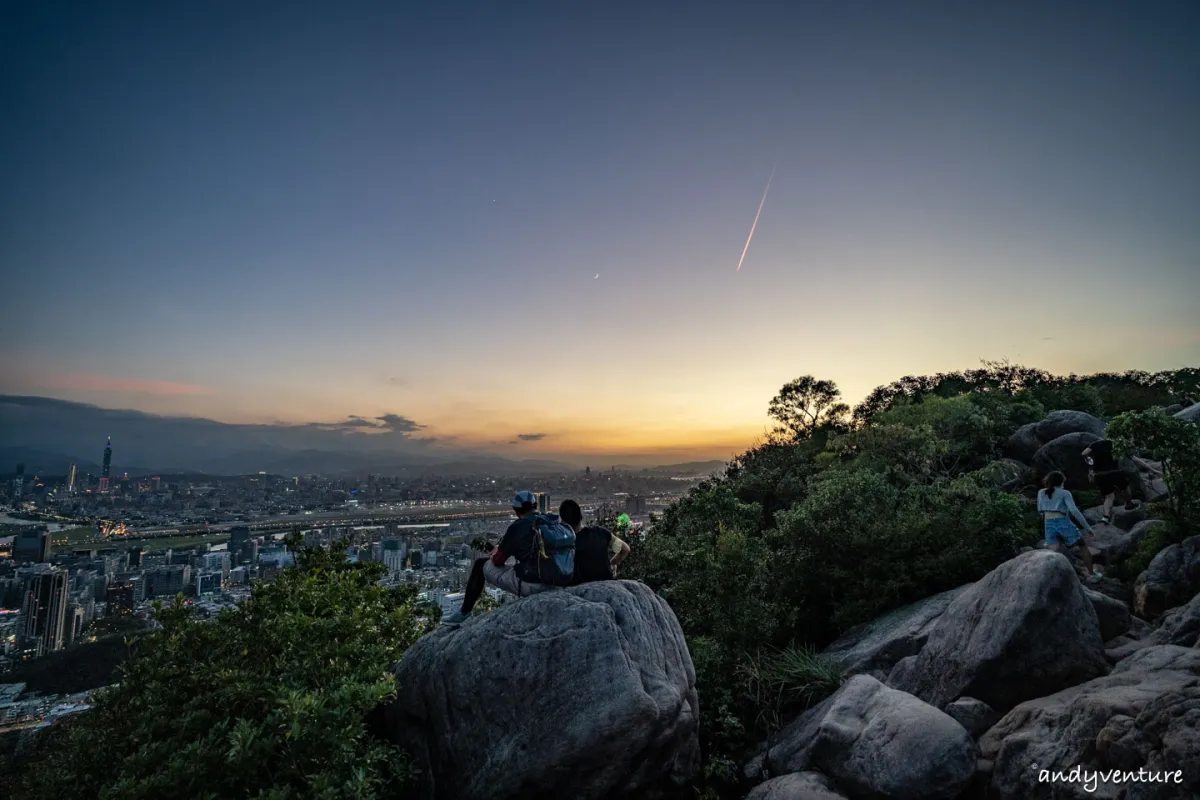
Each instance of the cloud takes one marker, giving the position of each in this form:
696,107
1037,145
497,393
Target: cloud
352,423
141,439
82,381
399,424
531,437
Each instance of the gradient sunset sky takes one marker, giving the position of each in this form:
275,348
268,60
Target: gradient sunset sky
301,211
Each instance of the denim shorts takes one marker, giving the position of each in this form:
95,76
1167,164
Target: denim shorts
1061,529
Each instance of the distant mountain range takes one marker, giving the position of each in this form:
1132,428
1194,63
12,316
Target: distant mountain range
47,435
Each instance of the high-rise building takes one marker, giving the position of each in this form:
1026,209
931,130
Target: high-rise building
71,479
635,505
207,582
393,552
19,481
120,598
73,624
238,538
135,557
107,458
32,544
43,613
169,580
543,502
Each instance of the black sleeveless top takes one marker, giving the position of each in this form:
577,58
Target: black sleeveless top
592,555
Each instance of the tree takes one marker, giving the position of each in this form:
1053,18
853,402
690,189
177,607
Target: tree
805,405
268,701
1176,444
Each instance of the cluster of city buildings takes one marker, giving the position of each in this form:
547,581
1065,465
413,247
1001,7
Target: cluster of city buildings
119,501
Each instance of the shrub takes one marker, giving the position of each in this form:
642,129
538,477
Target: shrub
269,700
1174,442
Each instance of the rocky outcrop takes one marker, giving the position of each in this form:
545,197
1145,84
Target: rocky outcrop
1181,625
1024,630
796,786
1190,414
1122,519
1023,443
1112,615
1114,545
1171,579
974,715
586,692
1065,455
876,646
1142,715
1062,423
875,741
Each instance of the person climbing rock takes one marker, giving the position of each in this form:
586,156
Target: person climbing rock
1108,477
597,550
1057,506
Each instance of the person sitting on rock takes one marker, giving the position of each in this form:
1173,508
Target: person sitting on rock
518,542
1057,506
1108,476
597,550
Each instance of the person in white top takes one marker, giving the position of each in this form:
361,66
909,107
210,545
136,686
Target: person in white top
1057,506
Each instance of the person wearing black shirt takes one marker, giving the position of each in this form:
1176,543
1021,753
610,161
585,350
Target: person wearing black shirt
1108,476
494,569
597,550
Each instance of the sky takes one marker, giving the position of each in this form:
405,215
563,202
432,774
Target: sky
521,222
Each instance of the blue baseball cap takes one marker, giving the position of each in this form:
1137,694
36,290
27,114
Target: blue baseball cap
521,499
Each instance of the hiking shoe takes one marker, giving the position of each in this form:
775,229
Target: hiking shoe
1107,520
456,619
1132,504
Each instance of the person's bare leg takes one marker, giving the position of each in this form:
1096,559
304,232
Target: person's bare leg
1129,504
1108,505
1085,555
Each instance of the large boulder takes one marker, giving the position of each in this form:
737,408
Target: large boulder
796,786
586,692
1142,715
1023,444
1112,615
1171,579
1061,423
1150,474
1065,454
1190,414
878,742
874,647
1122,519
1180,626
1114,545
974,715
1026,629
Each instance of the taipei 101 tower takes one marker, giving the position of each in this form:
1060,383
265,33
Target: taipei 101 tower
107,465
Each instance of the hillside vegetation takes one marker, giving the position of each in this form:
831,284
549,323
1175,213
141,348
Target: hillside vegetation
842,514
839,515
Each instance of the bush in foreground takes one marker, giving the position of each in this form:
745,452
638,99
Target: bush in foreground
267,701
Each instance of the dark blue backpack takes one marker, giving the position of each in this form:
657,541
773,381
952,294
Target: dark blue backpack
553,555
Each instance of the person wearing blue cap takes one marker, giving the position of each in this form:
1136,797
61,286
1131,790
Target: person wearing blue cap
519,541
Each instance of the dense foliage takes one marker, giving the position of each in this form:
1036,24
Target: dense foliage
841,516
267,701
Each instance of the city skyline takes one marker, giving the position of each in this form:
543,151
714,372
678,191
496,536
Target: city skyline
518,232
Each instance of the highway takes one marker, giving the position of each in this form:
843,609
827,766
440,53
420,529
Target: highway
322,519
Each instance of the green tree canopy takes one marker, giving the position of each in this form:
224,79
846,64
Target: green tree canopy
267,701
